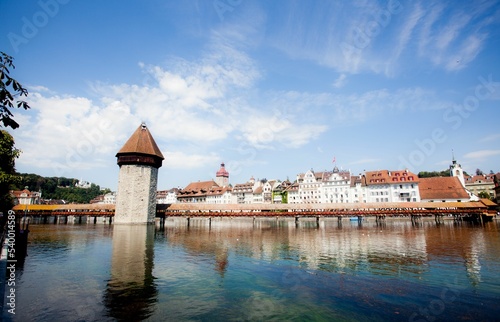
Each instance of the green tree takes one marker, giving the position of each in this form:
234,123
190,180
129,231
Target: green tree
484,194
10,92
8,177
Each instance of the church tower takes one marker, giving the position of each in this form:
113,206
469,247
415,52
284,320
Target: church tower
139,160
222,176
456,171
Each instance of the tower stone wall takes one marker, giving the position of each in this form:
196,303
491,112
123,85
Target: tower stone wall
139,160
136,196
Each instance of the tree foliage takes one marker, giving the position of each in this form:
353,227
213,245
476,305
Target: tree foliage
485,195
8,177
427,174
10,92
59,188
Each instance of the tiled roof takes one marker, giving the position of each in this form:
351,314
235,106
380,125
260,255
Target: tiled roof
480,178
442,188
388,177
358,180
198,188
141,142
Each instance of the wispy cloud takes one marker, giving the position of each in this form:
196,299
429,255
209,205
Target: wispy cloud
372,37
493,137
482,154
340,81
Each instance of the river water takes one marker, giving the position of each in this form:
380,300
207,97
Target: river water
262,270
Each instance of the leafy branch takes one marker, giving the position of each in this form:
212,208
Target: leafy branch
10,89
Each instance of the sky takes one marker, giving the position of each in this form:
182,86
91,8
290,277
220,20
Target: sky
270,88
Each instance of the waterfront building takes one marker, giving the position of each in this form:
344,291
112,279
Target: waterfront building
110,198
280,193
139,160
292,193
392,186
167,196
243,192
442,189
258,194
267,190
26,197
481,183
336,187
358,189
496,181
97,200
310,184
196,192
220,195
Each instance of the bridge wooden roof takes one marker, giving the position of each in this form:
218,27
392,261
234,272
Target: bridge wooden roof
329,206
262,207
91,207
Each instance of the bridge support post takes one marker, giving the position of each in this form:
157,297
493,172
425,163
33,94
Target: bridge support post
188,221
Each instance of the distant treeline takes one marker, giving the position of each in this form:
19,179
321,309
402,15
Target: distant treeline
444,173
427,174
58,188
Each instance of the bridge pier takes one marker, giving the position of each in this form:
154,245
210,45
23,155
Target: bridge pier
416,219
438,218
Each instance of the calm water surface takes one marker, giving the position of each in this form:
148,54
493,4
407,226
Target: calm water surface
241,270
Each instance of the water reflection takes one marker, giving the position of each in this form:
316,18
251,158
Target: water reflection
263,269
131,291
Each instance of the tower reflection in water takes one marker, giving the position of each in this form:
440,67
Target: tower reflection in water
131,291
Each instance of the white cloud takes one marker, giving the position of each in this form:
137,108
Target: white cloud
340,81
493,137
482,154
181,160
353,38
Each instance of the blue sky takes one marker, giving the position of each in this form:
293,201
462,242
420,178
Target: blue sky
271,88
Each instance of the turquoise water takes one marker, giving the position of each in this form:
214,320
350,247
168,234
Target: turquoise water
263,270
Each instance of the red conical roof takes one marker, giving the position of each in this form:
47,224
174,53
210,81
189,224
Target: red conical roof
140,148
141,142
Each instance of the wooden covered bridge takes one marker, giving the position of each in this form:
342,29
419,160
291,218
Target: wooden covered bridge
481,210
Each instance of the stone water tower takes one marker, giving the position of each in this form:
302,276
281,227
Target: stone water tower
139,160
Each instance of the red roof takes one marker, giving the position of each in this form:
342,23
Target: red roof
141,142
442,188
388,177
